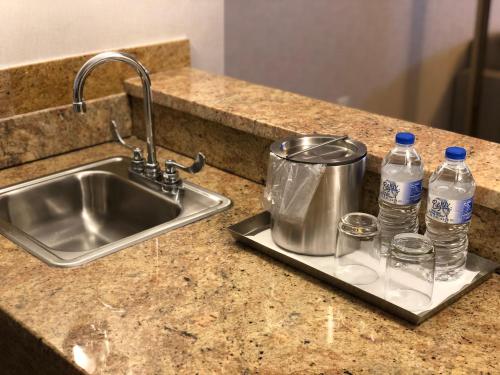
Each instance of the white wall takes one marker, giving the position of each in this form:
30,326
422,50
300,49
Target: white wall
395,57
38,30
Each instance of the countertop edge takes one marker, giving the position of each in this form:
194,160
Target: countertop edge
220,112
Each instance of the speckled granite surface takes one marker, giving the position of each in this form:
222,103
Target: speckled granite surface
193,300
53,131
47,84
271,114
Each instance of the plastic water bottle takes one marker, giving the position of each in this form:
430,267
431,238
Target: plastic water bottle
400,190
449,211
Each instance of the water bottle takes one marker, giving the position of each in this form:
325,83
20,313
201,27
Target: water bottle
449,211
400,190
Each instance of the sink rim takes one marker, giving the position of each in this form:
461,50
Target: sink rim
49,255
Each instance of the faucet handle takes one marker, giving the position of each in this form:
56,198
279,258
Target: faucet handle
137,164
199,163
118,137
171,182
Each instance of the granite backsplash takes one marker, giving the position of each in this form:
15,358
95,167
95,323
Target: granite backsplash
36,116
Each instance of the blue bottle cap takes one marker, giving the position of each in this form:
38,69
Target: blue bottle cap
455,153
405,138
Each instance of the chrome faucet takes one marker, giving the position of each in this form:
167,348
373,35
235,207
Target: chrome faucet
152,168
148,168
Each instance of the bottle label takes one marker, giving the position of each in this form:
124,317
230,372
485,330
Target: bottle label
401,193
450,211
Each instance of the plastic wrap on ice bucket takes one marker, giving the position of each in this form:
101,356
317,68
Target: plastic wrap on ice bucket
290,187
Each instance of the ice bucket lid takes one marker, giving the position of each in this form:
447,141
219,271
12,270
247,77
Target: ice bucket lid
319,149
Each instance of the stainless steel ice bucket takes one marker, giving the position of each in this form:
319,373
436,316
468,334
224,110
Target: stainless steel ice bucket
337,193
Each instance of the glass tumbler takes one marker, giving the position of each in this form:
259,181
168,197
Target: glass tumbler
409,276
357,255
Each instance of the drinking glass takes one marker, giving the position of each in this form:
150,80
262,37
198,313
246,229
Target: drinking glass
409,276
357,255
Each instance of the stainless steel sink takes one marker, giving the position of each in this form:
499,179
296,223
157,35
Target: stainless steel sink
81,214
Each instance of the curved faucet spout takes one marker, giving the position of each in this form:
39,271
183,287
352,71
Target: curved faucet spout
152,169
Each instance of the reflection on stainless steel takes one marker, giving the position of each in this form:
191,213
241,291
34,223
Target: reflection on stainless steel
75,216
85,210
322,149
338,192
311,148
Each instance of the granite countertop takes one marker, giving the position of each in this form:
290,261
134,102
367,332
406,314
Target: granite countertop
192,300
272,114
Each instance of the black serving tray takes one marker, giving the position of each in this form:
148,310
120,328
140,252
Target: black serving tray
317,267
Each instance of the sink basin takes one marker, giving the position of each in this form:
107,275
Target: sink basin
81,214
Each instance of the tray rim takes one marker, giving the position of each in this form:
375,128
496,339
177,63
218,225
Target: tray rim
261,221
